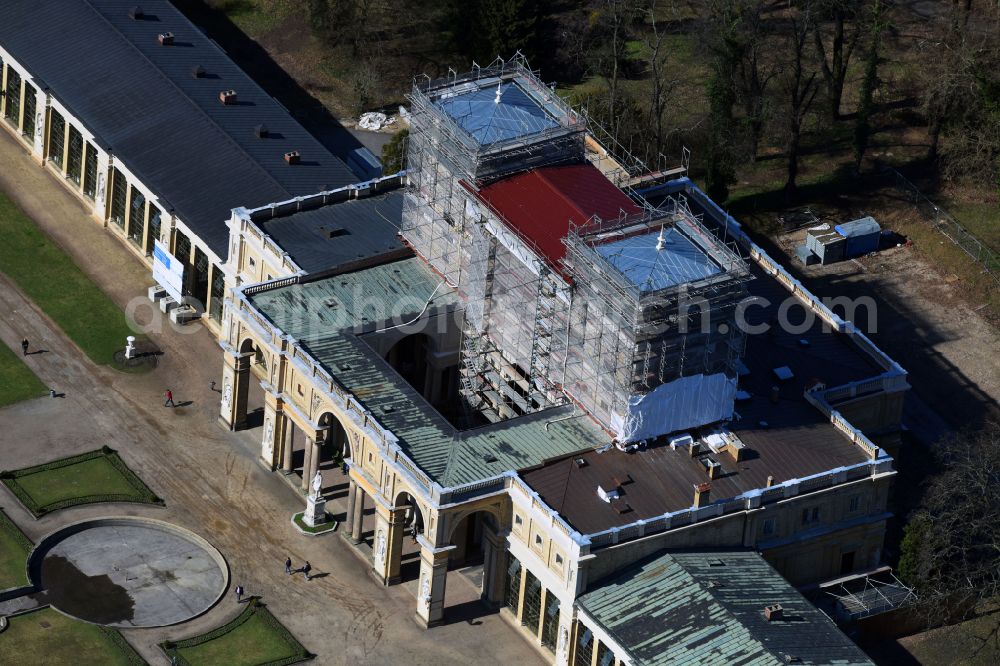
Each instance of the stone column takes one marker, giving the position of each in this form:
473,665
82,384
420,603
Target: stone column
357,522
387,552
287,445
272,441
564,636
352,489
235,386
430,587
308,470
494,566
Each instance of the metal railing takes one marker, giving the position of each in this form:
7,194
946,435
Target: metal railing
939,219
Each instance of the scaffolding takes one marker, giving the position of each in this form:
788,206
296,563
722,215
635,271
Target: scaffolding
534,332
625,337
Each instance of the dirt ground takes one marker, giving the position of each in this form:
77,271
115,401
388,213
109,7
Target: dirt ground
210,478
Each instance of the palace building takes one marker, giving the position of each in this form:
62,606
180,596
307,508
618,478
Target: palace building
527,362
542,367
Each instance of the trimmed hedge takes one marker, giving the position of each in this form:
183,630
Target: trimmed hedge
8,526
253,607
142,494
114,637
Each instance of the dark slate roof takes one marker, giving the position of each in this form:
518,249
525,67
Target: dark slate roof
707,608
143,104
330,236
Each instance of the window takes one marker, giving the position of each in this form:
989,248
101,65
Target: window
518,520
13,109
57,138
201,278
218,292
154,228
532,602
854,504
74,162
605,657
251,262
584,646
550,621
512,586
538,539
810,516
90,171
118,196
559,559
768,527
28,126
136,216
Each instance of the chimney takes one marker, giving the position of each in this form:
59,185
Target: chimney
694,448
136,13
701,494
775,394
773,612
198,72
260,131
227,97
770,480
292,157
165,38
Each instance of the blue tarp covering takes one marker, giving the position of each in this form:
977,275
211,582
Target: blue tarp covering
489,121
649,269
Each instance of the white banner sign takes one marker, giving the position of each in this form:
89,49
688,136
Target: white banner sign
168,271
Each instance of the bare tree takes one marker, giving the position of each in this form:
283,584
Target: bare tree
951,547
801,89
840,14
662,84
754,72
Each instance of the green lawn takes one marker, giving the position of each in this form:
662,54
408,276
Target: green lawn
98,476
255,638
14,549
47,637
17,381
49,277
982,220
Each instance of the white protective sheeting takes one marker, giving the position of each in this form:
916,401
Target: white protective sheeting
687,402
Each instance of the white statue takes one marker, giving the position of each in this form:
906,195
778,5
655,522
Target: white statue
380,548
317,484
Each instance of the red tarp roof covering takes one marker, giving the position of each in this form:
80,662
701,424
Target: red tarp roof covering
540,204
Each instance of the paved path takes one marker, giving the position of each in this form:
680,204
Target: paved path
210,478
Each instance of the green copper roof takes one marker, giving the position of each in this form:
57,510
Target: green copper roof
326,317
707,608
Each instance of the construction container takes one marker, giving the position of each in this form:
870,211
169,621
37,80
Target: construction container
827,245
862,236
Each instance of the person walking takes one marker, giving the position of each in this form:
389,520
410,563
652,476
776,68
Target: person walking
169,402
306,569
24,347
288,566
239,594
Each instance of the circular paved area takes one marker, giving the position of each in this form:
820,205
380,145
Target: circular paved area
131,573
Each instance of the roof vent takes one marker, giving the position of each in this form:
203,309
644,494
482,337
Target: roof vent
773,612
489,458
609,493
227,97
580,462
136,13
165,38
260,131
197,72
333,232
292,157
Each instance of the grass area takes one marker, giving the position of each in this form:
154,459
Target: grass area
47,637
98,476
982,220
255,17
17,381
49,277
328,526
255,638
14,549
